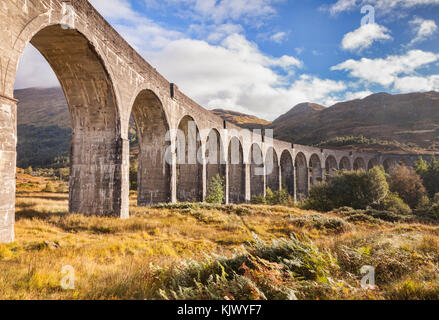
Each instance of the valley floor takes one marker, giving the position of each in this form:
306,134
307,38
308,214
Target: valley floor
198,251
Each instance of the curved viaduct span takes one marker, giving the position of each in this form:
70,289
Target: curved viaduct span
105,81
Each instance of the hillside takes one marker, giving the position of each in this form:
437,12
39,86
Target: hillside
241,119
408,122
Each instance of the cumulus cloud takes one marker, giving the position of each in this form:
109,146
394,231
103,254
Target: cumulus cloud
385,71
381,6
414,83
34,71
364,37
357,95
423,29
279,37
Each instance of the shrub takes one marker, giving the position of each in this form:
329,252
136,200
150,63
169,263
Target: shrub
50,187
408,185
258,200
278,197
28,170
395,204
62,188
356,189
429,173
215,193
321,222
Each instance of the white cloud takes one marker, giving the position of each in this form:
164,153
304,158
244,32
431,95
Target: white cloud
385,71
414,83
279,37
365,36
423,29
34,71
357,95
381,6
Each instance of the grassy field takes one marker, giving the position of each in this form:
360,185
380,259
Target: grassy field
200,251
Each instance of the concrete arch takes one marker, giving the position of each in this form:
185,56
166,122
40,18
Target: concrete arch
315,169
301,176
257,174
404,162
214,156
287,172
236,172
154,164
345,164
359,164
372,163
189,163
331,165
272,169
98,179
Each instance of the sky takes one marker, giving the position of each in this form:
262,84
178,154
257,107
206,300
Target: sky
262,57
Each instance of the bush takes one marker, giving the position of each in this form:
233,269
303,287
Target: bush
395,204
258,200
408,185
50,187
62,188
429,173
215,193
356,189
278,197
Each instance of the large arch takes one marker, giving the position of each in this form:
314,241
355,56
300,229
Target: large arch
345,164
154,170
287,172
236,172
301,176
97,176
256,161
359,164
315,169
189,165
372,163
272,169
331,165
215,164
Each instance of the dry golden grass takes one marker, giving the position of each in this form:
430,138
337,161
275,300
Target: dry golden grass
119,259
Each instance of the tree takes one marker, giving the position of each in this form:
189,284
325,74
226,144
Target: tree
408,185
429,173
215,193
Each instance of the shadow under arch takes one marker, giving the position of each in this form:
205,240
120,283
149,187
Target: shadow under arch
345,164
301,176
359,164
331,166
256,162
287,172
236,171
154,164
316,171
214,155
189,162
272,169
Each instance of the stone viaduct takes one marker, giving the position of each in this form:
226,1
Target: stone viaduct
105,82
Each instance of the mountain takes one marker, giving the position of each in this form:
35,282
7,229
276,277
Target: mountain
404,122
241,119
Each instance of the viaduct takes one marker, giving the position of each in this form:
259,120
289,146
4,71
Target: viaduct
105,82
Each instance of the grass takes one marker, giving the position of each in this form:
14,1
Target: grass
202,251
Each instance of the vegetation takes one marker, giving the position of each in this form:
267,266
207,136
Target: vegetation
278,197
429,173
405,182
215,193
253,252
361,141
356,189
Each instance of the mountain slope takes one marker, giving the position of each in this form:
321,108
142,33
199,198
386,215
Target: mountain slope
241,119
409,119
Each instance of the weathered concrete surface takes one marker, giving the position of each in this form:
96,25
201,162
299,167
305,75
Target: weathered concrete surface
105,82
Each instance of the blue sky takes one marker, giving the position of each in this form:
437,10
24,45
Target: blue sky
264,56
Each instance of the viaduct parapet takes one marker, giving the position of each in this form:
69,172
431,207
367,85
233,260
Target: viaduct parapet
105,82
